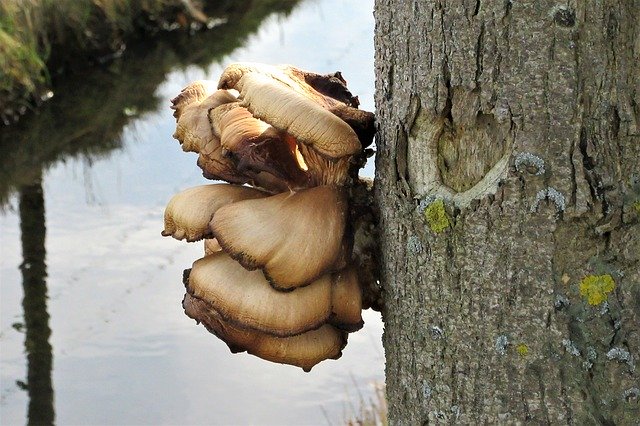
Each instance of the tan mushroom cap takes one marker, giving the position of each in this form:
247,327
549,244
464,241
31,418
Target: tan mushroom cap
329,91
246,299
216,165
325,171
189,212
211,246
193,129
294,79
194,92
294,237
296,114
195,133
257,146
304,350
346,301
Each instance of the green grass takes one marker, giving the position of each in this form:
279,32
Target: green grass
22,59
32,32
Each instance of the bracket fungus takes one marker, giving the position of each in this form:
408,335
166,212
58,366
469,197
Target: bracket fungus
280,278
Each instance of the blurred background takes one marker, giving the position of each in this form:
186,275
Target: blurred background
92,330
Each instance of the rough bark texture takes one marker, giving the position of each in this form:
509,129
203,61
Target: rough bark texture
517,297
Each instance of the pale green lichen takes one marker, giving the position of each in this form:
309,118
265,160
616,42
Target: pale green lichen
522,349
571,347
527,159
550,194
636,206
414,246
501,344
631,394
621,355
595,288
436,216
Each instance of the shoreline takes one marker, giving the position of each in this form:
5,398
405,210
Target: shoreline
40,42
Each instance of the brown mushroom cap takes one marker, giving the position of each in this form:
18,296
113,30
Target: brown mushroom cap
189,212
216,165
328,90
193,129
256,146
280,73
304,350
196,134
317,111
211,246
294,237
194,92
346,301
246,299
332,85
296,114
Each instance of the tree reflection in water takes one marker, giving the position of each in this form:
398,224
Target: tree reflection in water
78,123
34,303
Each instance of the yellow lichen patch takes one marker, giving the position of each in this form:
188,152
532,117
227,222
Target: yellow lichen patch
522,349
436,216
595,288
636,206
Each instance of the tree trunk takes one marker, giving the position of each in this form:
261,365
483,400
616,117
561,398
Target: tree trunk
508,189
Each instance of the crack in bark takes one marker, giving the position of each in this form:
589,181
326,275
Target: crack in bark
508,4
448,106
588,163
479,55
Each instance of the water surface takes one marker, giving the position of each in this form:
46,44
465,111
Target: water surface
99,336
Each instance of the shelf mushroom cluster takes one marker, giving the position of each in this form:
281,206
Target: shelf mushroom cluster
278,278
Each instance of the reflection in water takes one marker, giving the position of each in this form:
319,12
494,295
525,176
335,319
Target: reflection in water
79,121
124,351
34,303
92,106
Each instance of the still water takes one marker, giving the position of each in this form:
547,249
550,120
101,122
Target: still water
92,330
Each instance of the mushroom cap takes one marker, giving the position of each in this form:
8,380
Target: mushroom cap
332,85
346,301
325,171
211,246
256,146
283,74
292,112
193,129
328,90
246,299
189,212
192,93
196,133
303,350
362,122
294,237
316,111
216,165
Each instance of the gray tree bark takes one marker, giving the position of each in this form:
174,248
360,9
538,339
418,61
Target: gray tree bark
508,188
